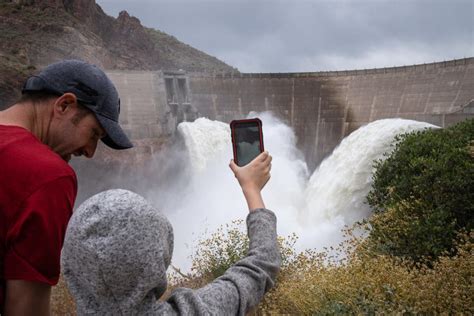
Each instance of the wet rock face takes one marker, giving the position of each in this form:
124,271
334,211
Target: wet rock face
85,11
91,14
130,42
82,10
131,28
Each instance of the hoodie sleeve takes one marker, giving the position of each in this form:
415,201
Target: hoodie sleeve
243,285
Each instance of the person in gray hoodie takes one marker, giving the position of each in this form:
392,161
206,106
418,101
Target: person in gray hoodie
118,247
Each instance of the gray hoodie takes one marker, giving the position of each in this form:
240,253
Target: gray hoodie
117,250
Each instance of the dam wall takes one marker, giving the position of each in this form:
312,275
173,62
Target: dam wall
321,107
325,107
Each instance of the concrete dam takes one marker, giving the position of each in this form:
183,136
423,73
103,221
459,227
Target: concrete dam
321,107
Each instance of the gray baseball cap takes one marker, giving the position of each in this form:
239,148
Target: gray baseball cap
93,89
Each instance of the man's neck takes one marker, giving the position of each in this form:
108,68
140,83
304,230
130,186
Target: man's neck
23,115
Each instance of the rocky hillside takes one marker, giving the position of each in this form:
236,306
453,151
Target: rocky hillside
35,33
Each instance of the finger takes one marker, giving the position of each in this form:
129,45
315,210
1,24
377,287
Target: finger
258,160
233,166
262,156
267,160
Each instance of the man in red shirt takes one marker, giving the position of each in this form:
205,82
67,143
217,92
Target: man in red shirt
64,111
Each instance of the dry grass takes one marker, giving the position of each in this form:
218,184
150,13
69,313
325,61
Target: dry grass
351,279
62,302
319,283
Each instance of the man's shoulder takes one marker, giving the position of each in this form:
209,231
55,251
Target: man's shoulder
24,156
42,159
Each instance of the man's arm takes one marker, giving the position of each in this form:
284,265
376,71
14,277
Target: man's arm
27,298
31,263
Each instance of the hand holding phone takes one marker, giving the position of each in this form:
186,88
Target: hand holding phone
253,177
251,165
247,140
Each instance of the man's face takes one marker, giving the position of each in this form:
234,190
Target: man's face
72,136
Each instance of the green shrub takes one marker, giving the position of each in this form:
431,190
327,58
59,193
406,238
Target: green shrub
423,193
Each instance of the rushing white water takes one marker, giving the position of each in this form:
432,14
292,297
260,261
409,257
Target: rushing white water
316,210
205,140
336,192
340,184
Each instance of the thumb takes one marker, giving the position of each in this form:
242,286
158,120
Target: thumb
233,166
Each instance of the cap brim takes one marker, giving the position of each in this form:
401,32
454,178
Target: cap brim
116,137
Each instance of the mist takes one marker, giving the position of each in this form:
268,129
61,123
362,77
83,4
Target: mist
192,184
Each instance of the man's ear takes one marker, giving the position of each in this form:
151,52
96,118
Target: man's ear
65,103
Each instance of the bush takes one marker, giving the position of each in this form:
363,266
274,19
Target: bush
215,254
423,192
366,283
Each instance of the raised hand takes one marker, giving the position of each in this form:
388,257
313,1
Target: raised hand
253,177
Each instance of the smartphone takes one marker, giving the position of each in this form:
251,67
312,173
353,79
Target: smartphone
247,140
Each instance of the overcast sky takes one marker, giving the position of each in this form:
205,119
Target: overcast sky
312,35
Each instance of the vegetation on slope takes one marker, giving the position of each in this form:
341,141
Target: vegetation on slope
24,30
423,194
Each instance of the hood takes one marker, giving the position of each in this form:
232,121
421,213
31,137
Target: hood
116,252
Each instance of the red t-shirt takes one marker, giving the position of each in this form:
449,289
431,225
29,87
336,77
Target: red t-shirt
37,193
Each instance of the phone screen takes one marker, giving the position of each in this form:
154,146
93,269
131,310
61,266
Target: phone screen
247,141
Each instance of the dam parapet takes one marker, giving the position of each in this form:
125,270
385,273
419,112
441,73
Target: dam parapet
350,72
